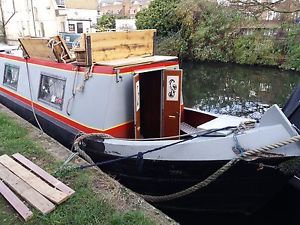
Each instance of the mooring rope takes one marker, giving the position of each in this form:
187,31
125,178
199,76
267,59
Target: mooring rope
222,170
31,96
193,188
141,154
245,155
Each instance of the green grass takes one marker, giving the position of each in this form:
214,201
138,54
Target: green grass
84,207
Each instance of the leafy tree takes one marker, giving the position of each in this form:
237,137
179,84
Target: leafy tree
105,22
215,31
292,48
205,31
160,15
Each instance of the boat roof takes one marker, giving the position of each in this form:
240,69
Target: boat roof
139,60
108,49
7,48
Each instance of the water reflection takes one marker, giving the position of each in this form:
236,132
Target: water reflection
241,90
235,89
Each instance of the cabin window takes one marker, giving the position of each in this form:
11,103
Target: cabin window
11,76
52,90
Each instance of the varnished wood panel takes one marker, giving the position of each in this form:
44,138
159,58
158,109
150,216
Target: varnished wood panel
118,45
39,48
172,111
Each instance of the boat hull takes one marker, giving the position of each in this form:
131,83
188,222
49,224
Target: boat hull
243,188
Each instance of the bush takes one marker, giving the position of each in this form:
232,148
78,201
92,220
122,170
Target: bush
106,22
292,48
160,15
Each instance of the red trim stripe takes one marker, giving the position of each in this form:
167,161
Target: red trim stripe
109,70
124,130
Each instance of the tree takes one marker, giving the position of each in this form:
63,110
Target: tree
257,7
105,22
160,15
3,21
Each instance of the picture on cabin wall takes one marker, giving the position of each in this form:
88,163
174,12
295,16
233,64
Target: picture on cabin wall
137,95
172,88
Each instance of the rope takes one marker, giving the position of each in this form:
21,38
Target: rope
73,91
245,155
193,188
140,154
87,75
69,159
52,43
268,148
222,170
31,98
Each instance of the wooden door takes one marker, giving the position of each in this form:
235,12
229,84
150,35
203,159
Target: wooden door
171,102
137,106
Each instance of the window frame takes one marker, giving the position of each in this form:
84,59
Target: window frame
6,65
60,107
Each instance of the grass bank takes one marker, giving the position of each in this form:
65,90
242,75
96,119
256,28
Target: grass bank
96,200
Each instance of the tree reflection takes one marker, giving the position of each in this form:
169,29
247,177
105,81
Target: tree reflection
235,89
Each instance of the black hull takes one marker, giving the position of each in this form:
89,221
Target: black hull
241,189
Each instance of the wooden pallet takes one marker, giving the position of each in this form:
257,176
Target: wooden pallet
32,184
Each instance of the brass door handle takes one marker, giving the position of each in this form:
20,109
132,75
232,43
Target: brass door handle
172,117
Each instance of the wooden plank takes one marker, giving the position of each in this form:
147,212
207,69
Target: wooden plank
118,45
43,174
15,202
25,191
37,183
38,48
64,45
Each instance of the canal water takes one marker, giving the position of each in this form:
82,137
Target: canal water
244,91
235,89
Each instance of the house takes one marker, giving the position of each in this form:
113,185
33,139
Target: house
270,15
45,18
122,8
81,15
35,18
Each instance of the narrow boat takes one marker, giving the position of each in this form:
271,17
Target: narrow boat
124,107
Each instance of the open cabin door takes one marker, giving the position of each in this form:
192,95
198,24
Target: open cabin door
137,106
171,102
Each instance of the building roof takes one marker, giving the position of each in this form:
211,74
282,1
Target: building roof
82,4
